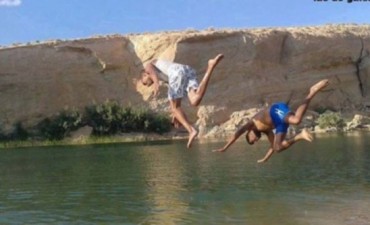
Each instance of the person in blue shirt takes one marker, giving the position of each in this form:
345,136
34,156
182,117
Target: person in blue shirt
182,82
274,122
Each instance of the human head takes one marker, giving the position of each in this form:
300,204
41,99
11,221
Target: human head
145,78
252,136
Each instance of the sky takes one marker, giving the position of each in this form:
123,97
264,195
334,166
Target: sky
23,21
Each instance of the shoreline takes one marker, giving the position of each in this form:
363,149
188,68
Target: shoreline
140,137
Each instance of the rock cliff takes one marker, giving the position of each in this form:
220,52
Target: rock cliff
261,66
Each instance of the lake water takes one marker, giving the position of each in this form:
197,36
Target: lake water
323,182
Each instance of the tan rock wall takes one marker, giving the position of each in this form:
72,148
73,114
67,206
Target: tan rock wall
261,66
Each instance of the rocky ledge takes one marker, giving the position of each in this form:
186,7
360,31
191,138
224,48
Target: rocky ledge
261,66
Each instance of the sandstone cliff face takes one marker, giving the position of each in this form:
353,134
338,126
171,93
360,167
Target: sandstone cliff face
261,66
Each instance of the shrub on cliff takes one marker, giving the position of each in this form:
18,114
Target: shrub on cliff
19,132
112,118
2,134
59,126
146,121
331,120
104,118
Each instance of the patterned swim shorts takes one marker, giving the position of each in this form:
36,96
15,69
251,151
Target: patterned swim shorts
181,78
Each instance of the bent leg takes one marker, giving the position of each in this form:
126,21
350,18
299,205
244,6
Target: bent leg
297,117
174,121
303,135
279,141
196,96
180,116
285,144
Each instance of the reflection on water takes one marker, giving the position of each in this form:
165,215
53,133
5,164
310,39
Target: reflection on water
324,182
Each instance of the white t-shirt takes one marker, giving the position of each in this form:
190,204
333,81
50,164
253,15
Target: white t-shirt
163,68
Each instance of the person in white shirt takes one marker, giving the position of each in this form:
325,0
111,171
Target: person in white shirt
182,82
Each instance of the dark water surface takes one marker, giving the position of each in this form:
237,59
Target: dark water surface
324,182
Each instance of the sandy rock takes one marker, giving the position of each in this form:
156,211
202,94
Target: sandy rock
358,122
261,66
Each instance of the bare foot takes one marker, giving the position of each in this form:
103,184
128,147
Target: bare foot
192,136
306,135
317,87
213,62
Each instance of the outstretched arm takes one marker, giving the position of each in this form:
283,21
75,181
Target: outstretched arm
267,156
270,151
150,70
237,134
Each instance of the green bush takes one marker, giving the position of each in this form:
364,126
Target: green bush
59,126
104,118
161,124
111,118
146,121
2,135
19,133
330,120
